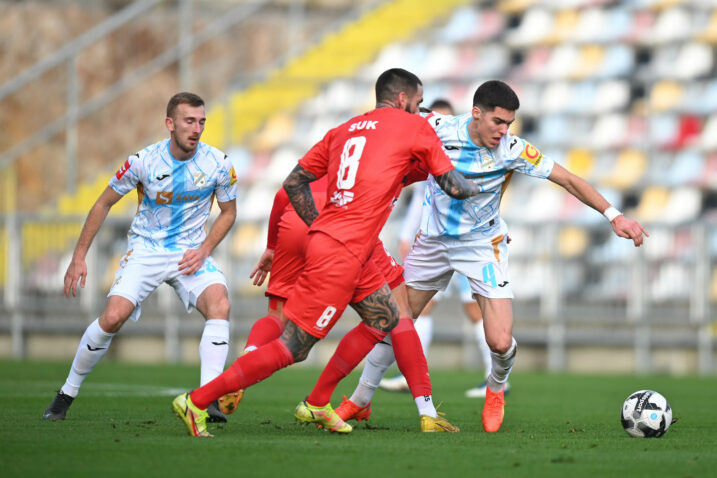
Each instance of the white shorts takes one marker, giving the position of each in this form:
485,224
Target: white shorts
458,285
142,271
433,260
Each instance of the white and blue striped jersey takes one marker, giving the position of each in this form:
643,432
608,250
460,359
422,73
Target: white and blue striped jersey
491,169
175,197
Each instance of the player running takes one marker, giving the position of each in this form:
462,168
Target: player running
466,236
365,160
176,180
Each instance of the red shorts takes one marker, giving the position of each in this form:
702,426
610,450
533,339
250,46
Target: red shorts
331,279
392,271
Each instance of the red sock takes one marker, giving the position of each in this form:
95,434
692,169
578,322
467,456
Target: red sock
264,331
350,351
244,372
410,359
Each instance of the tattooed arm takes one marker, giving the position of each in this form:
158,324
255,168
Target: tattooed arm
456,186
297,188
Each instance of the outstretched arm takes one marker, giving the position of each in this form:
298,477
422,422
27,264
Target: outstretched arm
77,270
581,189
457,186
297,188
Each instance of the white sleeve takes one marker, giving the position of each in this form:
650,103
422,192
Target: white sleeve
412,221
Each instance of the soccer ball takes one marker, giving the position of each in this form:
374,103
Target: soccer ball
646,414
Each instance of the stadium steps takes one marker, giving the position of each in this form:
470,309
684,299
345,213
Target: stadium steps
339,54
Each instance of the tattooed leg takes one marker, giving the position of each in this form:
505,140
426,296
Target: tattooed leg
379,313
297,341
379,310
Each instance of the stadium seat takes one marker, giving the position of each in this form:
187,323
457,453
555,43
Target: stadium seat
534,27
573,242
672,24
563,28
652,204
611,95
628,170
683,206
666,95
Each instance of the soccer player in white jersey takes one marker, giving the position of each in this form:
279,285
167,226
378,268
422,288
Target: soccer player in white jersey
176,180
424,323
466,236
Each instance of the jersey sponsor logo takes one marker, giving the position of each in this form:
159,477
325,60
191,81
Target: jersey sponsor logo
161,176
531,154
452,148
232,177
168,197
120,172
363,125
513,143
342,198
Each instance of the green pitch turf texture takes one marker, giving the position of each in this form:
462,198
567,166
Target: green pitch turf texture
555,425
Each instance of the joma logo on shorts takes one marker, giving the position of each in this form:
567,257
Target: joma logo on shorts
168,197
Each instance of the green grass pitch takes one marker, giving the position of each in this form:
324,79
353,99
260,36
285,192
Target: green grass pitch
555,425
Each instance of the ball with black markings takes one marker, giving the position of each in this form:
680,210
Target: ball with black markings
646,414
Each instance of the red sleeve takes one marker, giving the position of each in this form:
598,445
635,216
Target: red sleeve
281,200
416,173
316,161
429,151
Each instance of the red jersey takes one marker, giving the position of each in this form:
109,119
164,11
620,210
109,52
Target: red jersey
366,160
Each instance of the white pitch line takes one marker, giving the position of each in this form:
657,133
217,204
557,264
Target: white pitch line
90,389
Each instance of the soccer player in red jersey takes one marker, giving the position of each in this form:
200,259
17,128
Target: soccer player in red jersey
365,160
284,258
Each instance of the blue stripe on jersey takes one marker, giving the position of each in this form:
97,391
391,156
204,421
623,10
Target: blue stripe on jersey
179,172
455,209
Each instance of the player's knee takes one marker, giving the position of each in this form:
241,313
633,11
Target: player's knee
111,321
220,308
501,345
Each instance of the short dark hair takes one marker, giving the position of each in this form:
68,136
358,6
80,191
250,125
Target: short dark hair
183,98
441,103
392,82
495,93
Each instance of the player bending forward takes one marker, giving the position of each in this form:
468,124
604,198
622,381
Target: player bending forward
365,160
176,180
467,236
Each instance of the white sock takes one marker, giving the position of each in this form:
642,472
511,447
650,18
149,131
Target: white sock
425,405
502,364
93,346
213,349
378,361
483,347
424,329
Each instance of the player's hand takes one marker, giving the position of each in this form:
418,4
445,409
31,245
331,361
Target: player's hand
261,271
192,261
76,275
629,229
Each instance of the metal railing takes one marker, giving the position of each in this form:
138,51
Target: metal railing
187,42
553,309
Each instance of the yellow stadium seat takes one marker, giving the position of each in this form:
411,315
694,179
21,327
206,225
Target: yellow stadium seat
666,95
580,162
652,204
630,167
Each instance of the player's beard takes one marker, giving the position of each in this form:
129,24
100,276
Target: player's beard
185,147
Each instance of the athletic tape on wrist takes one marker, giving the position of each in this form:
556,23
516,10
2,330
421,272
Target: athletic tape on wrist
611,213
